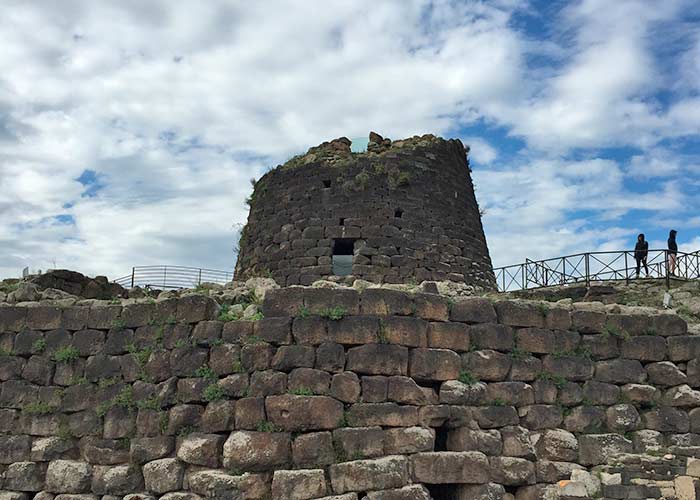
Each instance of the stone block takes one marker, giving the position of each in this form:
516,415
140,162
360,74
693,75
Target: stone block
522,314
585,321
283,302
405,441
103,317
569,367
511,393
378,359
24,476
382,414
454,336
644,348
43,317
431,307
492,336
257,451
195,308
620,371
164,475
256,357
16,448
330,357
455,392
116,480
405,390
410,332
146,449
683,348
375,389
310,331
487,365
557,445
303,380
319,300
354,330
68,476
512,471
354,443
450,467
314,449
298,484
346,387
666,419
434,364
473,310
207,332
601,346
595,449
234,332
385,302
488,442
363,475
249,413
200,449
304,413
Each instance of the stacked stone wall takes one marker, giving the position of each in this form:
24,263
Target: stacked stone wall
346,395
409,209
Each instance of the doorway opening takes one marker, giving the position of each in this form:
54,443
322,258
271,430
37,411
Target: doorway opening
343,252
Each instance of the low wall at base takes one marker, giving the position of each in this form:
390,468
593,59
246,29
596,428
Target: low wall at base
344,395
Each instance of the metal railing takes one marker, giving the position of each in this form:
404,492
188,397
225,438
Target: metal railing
172,277
595,267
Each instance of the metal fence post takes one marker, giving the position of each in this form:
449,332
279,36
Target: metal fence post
668,276
199,281
587,261
133,276
524,285
627,272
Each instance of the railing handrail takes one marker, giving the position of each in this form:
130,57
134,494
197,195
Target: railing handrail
173,277
536,273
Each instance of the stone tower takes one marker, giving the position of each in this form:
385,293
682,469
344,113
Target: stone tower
402,212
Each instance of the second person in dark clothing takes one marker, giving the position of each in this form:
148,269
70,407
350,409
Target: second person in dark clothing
641,251
672,252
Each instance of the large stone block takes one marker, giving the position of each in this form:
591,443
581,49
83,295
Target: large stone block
257,451
378,359
644,348
319,300
487,365
354,330
304,413
488,442
666,419
353,443
283,302
434,364
521,314
200,449
620,371
24,476
473,310
512,471
384,302
314,449
454,336
511,393
684,348
68,476
492,336
569,367
382,414
276,331
557,445
410,332
44,317
364,475
311,330
196,308
450,467
298,484
116,480
595,449
15,448
163,476
219,484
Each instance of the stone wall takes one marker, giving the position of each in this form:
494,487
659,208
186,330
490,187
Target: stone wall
407,209
346,395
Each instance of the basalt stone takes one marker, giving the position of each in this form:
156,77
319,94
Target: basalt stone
146,449
588,321
314,449
454,336
434,364
255,451
473,310
43,317
318,300
102,317
103,451
557,445
601,346
493,417
469,467
512,471
234,332
410,332
488,442
665,374
249,413
541,416
683,348
282,302
522,314
363,475
405,390
600,393
277,331
359,442
492,336
458,393
196,308
219,416
354,330
207,332
622,418
303,413
517,442
511,393
184,417
14,448
298,485
414,492
116,480
225,359
382,414
164,475
384,302
669,325
256,356
53,448
185,361
375,389
294,356
378,359
569,367
346,387
595,449
408,440
585,419
200,449
24,476
265,383
525,369
311,330
330,357
487,365
644,348
68,476
620,371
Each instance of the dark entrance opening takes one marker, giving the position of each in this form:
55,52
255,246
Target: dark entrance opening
343,251
441,438
443,491
327,183
341,222
398,213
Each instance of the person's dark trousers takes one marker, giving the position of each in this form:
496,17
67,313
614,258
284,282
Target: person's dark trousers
641,261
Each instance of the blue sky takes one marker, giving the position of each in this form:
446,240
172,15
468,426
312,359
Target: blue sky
129,130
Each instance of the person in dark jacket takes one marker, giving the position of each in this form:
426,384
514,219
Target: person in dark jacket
641,251
672,252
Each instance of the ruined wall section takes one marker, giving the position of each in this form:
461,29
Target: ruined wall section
334,393
408,207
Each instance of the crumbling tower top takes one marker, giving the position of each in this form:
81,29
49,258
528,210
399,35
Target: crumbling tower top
402,212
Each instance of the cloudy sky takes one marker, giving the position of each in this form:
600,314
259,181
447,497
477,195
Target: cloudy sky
129,129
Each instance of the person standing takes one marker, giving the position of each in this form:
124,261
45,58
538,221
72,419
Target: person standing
641,252
672,252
